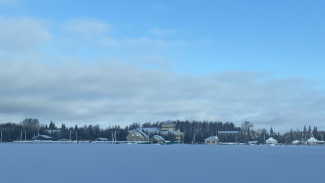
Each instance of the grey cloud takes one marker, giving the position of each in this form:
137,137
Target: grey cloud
115,92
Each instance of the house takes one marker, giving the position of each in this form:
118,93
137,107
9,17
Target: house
42,137
135,135
168,126
212,140
179,136
271,141
314,141
157,139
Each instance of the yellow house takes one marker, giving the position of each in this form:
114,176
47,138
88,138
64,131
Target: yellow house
137,136
211,140
168,126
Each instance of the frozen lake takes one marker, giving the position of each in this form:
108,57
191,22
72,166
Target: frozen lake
95,163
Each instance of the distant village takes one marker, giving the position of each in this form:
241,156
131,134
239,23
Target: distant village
168,132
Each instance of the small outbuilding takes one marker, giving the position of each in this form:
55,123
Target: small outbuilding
101,139
157,139
42,137
295,142
212,140
271,140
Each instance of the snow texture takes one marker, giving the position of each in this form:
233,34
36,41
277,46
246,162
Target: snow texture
90,163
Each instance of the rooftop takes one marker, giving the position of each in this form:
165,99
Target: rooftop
157,137
212,138
228,132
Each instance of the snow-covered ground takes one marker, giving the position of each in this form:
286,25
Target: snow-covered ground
96,163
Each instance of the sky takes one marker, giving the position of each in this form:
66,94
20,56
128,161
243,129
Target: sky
118,62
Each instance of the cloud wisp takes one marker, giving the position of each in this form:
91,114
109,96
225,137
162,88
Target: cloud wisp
86,28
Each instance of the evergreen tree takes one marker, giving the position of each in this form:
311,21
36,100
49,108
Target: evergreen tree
52,126
305,133
271,132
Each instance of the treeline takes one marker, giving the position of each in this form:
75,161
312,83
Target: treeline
32,127
195,131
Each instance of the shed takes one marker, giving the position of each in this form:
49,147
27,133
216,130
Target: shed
212,140
157,139
101,139
295,142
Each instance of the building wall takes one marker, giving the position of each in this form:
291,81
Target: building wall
157,142
211,141
179,138
168,127
134,136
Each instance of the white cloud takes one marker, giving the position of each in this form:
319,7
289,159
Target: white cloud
161,32
8,2
22,34
116,93
141,46
86,28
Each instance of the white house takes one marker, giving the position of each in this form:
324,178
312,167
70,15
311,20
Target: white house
313,141
271,140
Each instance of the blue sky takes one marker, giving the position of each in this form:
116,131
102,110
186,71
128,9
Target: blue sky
271,40
283,37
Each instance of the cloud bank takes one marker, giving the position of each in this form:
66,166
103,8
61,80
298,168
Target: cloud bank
118,93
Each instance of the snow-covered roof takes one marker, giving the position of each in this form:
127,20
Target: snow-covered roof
138,133
149,129
144,135
271,139
157,137
212,138
102,139
43,136
168,123
228,132
312,139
